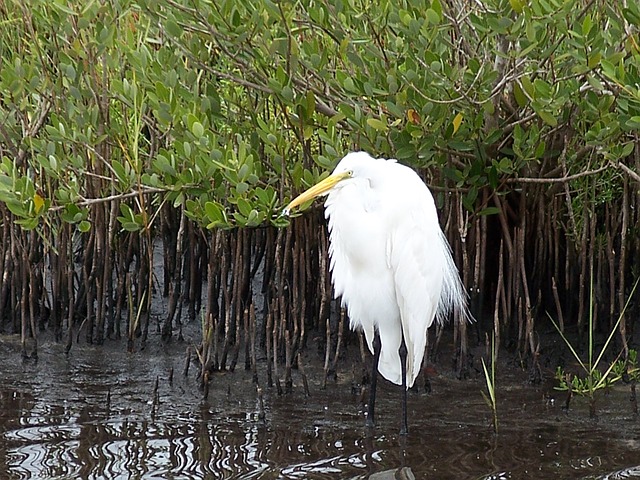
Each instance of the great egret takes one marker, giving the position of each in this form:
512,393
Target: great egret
390,262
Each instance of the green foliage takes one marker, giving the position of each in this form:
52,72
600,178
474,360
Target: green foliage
227,107
596,380
629,370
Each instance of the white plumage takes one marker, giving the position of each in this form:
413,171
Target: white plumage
390,261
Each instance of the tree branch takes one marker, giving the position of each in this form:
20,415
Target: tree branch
564,179
121,196
628,171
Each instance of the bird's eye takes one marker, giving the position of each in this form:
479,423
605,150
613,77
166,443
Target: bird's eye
350,173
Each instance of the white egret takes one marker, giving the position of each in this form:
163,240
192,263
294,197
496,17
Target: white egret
389,261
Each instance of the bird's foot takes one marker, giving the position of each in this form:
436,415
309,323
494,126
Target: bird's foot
404,430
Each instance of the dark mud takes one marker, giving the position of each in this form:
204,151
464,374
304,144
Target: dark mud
103,413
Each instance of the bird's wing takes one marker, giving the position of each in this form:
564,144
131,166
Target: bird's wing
418,261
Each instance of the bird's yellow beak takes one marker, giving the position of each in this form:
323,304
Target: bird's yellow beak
318,189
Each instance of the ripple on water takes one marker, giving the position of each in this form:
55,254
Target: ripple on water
131,449
55,423
631,472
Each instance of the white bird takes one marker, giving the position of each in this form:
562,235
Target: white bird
390,262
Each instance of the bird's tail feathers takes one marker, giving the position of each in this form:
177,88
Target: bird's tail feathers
453,297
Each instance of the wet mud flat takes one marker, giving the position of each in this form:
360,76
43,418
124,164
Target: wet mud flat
101,412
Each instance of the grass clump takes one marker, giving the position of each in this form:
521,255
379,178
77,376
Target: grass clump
593,379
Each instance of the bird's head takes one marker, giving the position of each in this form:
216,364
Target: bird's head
349,167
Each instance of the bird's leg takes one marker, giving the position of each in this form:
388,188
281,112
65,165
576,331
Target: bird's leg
402,351
377,345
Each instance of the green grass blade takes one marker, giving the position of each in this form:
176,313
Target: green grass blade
490,380
615,328
568,343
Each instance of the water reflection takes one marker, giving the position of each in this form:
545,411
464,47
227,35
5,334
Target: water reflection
132,448
632,472
56,422
236,448
404,473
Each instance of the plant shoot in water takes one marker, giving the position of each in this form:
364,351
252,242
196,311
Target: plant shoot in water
490,377
593,379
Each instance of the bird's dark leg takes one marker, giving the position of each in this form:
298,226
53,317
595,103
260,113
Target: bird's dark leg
402,351
377,345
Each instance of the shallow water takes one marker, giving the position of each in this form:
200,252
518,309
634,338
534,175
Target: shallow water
92,415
